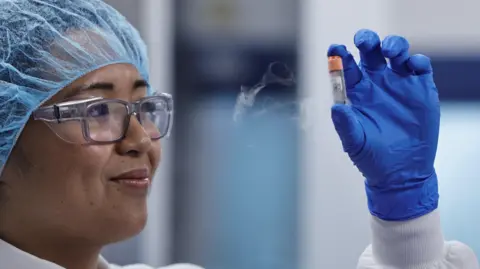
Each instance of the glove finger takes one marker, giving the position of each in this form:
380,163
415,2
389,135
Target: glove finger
348,129
352,72
420,64
395,48
368,43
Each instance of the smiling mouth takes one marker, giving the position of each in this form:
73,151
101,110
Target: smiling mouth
139,178
134,183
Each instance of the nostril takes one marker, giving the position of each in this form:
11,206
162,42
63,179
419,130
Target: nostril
133,153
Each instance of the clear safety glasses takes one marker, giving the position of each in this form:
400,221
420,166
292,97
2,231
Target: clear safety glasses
101,120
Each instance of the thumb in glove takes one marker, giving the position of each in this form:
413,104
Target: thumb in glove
348,129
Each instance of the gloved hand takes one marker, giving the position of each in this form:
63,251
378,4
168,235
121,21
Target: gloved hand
390,129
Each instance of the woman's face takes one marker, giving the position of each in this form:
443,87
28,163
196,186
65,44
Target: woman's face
59,190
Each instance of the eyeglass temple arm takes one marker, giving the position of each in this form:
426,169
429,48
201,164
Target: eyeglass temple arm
46,113
53,114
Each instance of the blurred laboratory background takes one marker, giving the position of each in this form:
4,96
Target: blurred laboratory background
275,191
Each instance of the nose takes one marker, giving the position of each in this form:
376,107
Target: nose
136,141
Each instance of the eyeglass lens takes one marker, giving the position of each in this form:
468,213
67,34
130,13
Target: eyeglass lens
108,121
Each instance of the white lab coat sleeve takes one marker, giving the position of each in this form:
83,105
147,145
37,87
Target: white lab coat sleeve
414,244
142,266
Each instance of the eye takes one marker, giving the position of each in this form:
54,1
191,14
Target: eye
153,106
99,110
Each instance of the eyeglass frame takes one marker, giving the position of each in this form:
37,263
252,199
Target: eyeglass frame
52,114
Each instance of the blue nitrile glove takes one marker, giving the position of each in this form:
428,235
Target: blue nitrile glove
390,130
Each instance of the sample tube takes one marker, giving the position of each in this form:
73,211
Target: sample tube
337,78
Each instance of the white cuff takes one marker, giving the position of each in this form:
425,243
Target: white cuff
408,244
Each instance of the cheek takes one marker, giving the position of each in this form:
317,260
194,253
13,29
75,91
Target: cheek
69,161
155,155
96,156
61,178
74,185
71,176
49,155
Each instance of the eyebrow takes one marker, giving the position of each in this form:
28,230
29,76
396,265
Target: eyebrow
104,86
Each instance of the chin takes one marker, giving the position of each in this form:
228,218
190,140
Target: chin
135,224
124,226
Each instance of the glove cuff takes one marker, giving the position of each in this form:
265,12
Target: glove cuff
404,201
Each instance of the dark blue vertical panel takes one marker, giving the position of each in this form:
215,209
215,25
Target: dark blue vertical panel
457,78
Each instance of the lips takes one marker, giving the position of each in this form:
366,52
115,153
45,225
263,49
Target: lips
137,180
136,174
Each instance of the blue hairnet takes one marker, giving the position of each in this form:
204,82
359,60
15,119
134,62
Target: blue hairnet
46,45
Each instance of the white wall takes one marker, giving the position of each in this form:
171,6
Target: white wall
439,26
457,169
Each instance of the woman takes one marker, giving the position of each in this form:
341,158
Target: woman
80,133
80,141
